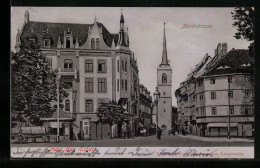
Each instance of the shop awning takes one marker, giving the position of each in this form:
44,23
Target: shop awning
222,125
64,116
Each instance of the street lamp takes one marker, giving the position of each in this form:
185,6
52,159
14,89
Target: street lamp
156,96
58,106
229,106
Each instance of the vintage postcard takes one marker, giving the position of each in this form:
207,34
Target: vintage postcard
99,82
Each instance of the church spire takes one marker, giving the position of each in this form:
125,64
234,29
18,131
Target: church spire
164,54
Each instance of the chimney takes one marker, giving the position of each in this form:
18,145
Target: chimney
224,48
26,17
219,51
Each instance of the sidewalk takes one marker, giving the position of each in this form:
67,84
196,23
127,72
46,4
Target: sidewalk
215,139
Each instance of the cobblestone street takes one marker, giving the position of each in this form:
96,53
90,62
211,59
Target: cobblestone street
166,141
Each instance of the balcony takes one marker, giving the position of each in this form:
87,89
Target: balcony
68,72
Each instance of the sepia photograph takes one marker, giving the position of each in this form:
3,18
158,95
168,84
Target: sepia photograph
132,82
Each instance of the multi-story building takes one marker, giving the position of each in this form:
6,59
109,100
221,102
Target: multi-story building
98,66
221,95
145,113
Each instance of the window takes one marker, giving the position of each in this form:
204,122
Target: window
101,101
212,81
122,85
247,78
125,85
68,84
164,78
201,96
89,84
49,61
247,110
118,85
200,82
74,105
89,66
125,66
230,94
213,95
68,64
101,85
213,110
89,106
101,66
247,93
68,42
230,80
93,43
67,105
164,102
231,110
46,43
163,93
117,65
122,64
97,43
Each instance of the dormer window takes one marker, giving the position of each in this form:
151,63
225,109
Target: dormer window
93,43
68,42
97,43
47,43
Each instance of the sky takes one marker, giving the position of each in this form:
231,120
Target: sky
185,46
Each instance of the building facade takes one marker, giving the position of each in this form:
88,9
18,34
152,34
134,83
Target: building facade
218,95
98,67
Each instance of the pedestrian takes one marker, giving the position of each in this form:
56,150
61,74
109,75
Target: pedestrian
159,133
144,132
124,130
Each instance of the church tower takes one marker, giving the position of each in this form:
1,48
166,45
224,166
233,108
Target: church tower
164,82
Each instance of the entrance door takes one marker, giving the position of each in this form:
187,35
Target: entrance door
86,129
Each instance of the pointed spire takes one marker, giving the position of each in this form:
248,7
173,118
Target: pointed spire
164,54
122,21
95,19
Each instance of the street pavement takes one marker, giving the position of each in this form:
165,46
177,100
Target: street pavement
150,141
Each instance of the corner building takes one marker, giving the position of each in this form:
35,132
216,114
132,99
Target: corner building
98,67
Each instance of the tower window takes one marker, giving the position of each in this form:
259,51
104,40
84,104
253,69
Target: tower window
67,105
213,95
230,94
230,79
97,43
117,65
231,110
68,42
164,78
93,43
125,85
214,111
125,66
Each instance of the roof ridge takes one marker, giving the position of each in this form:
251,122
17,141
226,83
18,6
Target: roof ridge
61,23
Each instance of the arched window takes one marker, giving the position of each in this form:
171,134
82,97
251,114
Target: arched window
89,106
67,105
97,43
164,78
68,42
93,43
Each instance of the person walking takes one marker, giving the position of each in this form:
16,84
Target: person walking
159,133
124,130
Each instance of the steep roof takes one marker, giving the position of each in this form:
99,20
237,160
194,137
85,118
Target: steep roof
232,62
57,29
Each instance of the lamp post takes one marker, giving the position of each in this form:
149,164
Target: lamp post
156,100
58,107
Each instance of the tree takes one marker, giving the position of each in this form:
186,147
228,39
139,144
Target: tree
33,85
245,22
111,113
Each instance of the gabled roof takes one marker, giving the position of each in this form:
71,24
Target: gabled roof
234,59
57,29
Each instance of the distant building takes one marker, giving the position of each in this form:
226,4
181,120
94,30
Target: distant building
164,83
98,67
217,89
